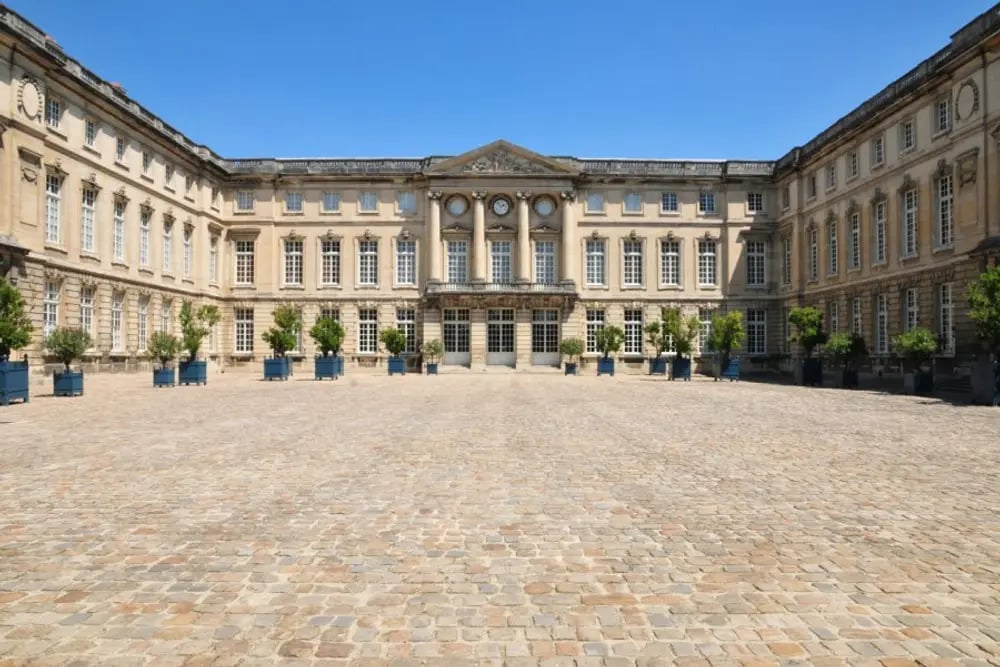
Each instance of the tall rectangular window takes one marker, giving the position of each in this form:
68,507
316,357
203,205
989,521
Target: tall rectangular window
53,112
833,249
188,251
881,324
167,315
368,262
330,313
545,262
145,216
911,304
50,307
213,258
595,322
406,321
330,268
595,262
331,202
707,265
633,202
704,329
244,262
168,176
53,201
168,245
89,133
786,197
406,203
243,334
293,202
909,231
755,202
632,263
813,254
367,331
143,323
946,317
458,261
293,261
670,262
88,213
853,165
406,262
833,316
786,260
594,202
244,201
147,162
831,176
500,261
117,317
811,186
856,324
756,263
706,202
668,202
118,242
855,259
942,116
878,151
87,310
455,331
120,146
756,331
368,202
907,136
945,217
633,331
878,227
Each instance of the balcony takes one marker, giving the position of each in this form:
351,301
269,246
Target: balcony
501,288
502,295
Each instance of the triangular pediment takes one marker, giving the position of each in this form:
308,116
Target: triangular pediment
501,158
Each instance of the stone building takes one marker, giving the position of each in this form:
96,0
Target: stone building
110,219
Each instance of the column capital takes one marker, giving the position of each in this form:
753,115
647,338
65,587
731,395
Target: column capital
479,195
568,196
523,195
434,195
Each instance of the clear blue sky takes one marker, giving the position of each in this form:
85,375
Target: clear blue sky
591,78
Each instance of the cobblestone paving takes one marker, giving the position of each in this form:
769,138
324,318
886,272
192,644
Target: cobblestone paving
497,518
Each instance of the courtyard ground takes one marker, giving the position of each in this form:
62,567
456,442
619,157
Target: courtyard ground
497,518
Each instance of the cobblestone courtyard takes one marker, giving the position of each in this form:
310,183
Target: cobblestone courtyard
497,518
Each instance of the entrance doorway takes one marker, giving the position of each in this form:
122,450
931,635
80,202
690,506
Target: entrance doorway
545,338
456,337
500,337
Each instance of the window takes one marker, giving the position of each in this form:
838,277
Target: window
879,230
331,202
143,323
406,321
89,133
167,315
168,245
786,260
87,309
367,331
119,231
120,145
168,176
595,322
244,262
243,318
668,202
330,262
244,200
811,186
706,263
188,251
633,331
117,313
456,330
833,249
755,202
833,317
406,262
53,113
88,219
670,262
910,308
942,116
500,261
706,202
945,217
293,261
544,331
545,262
213,259
406,203
813,254
881,324
909,231
853,165
878,151
458,261
53,201
633,202
704,328
907,136
145,216
595,202
855,257
188,185
831,176
632,263
756,331
756,262
368,202
368,262
147,162
786,197
946,319
216,195
595,262
293,202
856,317
331,313
50,307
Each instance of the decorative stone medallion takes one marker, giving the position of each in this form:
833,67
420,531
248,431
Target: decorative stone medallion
966,100
29,98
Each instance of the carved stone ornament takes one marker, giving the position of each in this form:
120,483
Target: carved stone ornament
292,235
810,225
405,235
831,217
879,196
852,207
908,183
523,196
503,161
966,100
595,234
55,168
53,274
90,182
88,282
29,174
368,236
500,228
29,97
434,195
120,195
569,196
943,168
479,195
330,235
968,164
147,205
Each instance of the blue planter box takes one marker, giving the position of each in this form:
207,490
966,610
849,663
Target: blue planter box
680,369
605,366
276,369
328,367
812,372
397,365
193,372
432,368
67,383
163,377
570,369
729,369
849,379
13,382
923,383
658,366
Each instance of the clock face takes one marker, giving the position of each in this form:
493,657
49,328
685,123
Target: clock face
544,206
457,205
501,206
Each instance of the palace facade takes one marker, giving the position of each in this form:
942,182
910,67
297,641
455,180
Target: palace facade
110,219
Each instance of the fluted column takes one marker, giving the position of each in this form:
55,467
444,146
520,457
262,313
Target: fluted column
434,237
568,251
479,237
523,239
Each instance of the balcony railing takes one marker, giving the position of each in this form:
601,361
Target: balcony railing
501,288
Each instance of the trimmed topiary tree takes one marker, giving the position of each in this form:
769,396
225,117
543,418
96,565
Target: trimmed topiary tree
328,334
68,344
608,339
571,348
808,323
282,338
163,347
432,350
658,338
847,350
918,346
727,335
682,332
196,324
984,311
395,342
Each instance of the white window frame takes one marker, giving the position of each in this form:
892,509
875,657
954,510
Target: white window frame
145,230
706,202
406,262
946,317
595,320
89,132
87,299
213,258
907,135
881,337
705,316
168,176
911,308
118,231
168,245
53,208
633,324
53,112
406,321
811,186
708,262
632,203
457,258
833,316
50,307
941,113
244,260
786,260
167,315
813,240
786,198
243,330
406,202
293,264
879,230
945,227
756,263
117,320
545,262
368,331
670,263
142,323
330,262
187,259
121,149
330,203
669,203
501,261
633,263
909,221
368,201
244,201
853,165
756,339
293,203
147,162
877,150
88,220
594,203
368,258
857,324
755,203
596,262
831,176
854,261
832,248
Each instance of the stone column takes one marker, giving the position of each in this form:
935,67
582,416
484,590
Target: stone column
568,251
523,274
479,237
434,237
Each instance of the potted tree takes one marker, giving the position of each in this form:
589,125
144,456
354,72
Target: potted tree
659,339
917,346
727,335
571,348
67,344
164,347
984,311
395,342
808,323
847,351
328,334
432,350
195,326
15,333
683,333
609,339
282,337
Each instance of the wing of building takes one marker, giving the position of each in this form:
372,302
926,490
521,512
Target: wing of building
110,219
